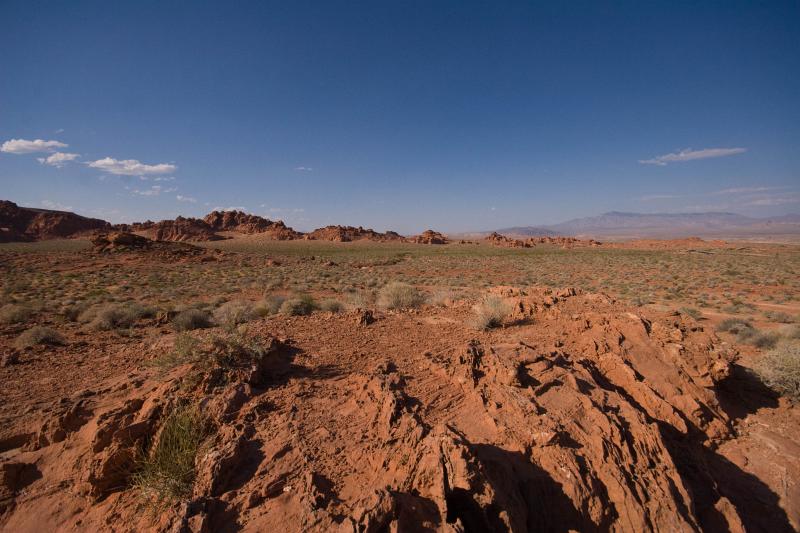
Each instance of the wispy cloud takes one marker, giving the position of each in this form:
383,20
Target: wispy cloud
651,197
303,169
154,190
49,204
131,167
234,208
23,146
189,199
690,155
745,190
58,159
774,200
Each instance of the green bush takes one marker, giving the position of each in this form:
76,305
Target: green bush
398,295
779,369
166,473
38,335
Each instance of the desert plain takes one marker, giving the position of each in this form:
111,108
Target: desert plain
254,379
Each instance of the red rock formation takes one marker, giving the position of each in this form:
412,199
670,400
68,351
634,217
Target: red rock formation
501,240
428,237
28,224
350,233
250,224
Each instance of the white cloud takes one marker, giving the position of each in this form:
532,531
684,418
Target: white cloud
130,167
164,178
155,190
182,198
22,146
234,208
691,155
58,159
303,169
49,204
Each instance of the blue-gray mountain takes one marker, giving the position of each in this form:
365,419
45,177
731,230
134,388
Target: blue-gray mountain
628,225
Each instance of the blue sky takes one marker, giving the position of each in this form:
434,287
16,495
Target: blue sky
400,115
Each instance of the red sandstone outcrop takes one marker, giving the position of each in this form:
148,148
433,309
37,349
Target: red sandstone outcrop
29,224
501,240
241,222
350,233
428,237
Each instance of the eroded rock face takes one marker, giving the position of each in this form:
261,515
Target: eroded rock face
429,237
501,240
350,233
29,224
585,416
246,223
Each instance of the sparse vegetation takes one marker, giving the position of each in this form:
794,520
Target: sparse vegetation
398,295
14,313
166,471
231,314
190,319
270,305
38,335
331,305
490,312
297,306
112,316
780,369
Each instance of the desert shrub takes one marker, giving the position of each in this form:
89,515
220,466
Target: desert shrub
297,306
765,340
166,472
14,313
112,316
331,305
694,313
185,350
791,332
73,312
230,314
779,369
442,298
38,335
734,325
779,316
361,300
490,312
269,305
398,295
190,319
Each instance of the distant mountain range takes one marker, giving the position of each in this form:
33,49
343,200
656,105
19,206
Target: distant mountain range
621,225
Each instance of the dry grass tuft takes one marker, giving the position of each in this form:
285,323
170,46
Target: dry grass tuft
14,313
38,335
779,369
490,312
190,319
397,295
